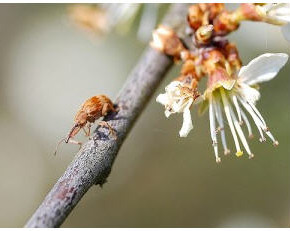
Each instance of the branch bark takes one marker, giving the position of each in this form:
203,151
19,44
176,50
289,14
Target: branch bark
93,163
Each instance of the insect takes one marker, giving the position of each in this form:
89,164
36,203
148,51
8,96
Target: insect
91,110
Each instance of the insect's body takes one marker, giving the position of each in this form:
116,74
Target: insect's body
91,110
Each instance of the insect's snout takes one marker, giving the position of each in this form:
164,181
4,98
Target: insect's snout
75,129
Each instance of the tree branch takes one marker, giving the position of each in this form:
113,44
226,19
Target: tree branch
94,161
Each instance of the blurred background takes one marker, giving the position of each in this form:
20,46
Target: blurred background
48,67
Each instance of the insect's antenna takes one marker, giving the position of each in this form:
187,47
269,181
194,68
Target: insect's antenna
62,140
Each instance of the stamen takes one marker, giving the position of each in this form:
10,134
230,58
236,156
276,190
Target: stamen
235,101
257,121
218,129
240,132
229,118
247,124
275,142
265,128
258,113
213,131
220,120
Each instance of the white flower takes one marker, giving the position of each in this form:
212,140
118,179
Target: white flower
177,100
260,69
278,13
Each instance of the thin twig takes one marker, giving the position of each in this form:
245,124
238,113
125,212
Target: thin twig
94,161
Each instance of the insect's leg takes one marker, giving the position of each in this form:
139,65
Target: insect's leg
87,133
109,108
56,148
116,108
72,141
89,128
107,125
105,109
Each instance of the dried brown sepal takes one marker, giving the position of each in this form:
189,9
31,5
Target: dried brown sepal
188,68
213,59
232,55
218,70
218,77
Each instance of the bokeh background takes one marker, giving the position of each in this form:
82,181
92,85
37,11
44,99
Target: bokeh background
48,67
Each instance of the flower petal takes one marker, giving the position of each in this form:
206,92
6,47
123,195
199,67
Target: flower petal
167,113
263,68
250,94
187,123
172,87
163,99
286,31
279,12
228,84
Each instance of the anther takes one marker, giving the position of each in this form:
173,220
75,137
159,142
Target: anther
251,156
226,152
239,153
251,136
276,143
262,139
218,159
266,129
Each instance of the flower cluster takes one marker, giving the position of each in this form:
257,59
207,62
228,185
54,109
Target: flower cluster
232,89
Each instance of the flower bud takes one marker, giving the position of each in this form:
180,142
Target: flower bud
204,33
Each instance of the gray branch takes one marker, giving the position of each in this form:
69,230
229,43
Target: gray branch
93,163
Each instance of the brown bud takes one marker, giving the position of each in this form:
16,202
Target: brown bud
250,12
195,16
213,9
225,23
188,68
204,33
167,41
